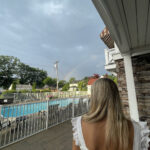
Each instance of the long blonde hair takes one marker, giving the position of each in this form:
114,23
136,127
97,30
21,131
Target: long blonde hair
106,104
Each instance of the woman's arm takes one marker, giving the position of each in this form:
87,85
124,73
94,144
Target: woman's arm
74,147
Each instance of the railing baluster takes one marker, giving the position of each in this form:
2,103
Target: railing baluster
25,126
30,118
28,111
2,142
19,122
15,115
40,124
10,116
47,117
23,122
6,109
34,110
38,117
73,108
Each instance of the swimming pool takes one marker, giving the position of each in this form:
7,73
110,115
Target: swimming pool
31,108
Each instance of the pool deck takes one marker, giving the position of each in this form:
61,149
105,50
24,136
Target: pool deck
56,138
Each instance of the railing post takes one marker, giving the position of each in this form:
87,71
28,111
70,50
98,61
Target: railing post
47,116
73,108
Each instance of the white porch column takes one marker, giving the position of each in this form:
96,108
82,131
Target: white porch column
131,88
0,111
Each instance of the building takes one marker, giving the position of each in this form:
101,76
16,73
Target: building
20,87
129,27
73,86
90,82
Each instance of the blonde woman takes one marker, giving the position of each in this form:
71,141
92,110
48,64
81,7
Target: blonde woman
105,127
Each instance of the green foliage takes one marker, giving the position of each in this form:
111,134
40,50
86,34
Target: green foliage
82,85
8,68
61,83
11,69
34,86
48,81
29,75
36,91
51,82
54,82
15,82
23,91
8,92
39,91
14,85
112,77
45,90
65,87
72,80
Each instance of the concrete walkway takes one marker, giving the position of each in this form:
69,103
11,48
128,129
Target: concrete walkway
55,138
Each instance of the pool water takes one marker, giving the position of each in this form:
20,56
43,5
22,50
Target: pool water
31,108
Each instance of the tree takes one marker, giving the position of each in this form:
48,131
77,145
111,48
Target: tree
96,76
12,69
61,83
24,73
65,87
29,75
34,86
40,76
48,81
82,85
54,82
72,79
8,70
15,82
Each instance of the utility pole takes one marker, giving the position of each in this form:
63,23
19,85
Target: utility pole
56,66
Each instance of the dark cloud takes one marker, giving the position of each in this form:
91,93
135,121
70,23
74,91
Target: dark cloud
39,32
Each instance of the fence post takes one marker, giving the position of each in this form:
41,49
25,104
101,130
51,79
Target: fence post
47,116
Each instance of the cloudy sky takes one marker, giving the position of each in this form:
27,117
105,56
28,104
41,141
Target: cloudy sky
39,32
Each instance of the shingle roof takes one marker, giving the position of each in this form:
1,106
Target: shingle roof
91,81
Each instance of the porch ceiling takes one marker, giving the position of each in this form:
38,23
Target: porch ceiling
128,22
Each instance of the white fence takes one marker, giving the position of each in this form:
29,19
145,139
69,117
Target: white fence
20,97
23,120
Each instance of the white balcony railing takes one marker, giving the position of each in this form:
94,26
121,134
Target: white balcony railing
19,121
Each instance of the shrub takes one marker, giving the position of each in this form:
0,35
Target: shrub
8,92
14,86
65,87
24,91
45,90
34,86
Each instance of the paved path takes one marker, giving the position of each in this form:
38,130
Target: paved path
55,138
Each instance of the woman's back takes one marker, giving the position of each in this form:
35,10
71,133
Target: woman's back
94,135
91,136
